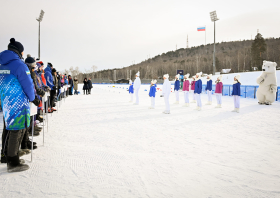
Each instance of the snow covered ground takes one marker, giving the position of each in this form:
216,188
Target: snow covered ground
100,145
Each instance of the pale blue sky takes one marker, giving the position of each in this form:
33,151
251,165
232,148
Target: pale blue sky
113,33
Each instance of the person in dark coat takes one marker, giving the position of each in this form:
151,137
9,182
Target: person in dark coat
70,82
89,85
85,87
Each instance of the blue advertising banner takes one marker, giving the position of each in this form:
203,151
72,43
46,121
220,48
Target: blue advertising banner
181,72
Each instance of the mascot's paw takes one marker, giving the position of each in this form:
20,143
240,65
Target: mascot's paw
261,103
268,103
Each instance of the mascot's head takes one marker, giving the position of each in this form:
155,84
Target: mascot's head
269,67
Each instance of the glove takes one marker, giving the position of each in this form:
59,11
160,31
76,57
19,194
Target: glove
36,101
49,89
161,95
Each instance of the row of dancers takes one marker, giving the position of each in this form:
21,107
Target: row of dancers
190,85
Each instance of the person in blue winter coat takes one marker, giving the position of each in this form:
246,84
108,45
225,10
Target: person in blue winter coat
208,89
152,93
48,76
131,90
236,93
17,90
49,79
177,86
197,90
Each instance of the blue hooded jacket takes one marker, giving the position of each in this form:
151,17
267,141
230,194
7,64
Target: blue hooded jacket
177,85
209,85
16,89
198,87
48,77
153,91
236,89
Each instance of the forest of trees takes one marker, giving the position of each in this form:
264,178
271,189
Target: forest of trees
240,56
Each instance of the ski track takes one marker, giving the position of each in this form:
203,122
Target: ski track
102,146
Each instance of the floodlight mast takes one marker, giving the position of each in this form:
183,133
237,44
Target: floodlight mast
214,18
40,20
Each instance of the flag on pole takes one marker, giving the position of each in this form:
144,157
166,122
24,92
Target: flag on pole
201,28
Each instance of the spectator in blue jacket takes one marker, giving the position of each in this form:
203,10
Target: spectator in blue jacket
236,93
17,90
49,79
208,89
131,90
177,88
152,93
197,90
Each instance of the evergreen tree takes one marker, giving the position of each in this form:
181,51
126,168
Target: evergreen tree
257,48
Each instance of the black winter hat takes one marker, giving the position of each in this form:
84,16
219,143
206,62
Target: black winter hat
53,70
50,64
29,60
14,45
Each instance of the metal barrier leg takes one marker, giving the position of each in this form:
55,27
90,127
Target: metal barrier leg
32,138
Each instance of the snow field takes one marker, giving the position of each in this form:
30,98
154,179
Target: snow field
101,145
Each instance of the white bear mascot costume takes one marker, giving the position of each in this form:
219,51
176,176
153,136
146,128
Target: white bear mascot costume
136,86
267,81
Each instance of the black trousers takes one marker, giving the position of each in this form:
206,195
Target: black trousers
52,97
86,91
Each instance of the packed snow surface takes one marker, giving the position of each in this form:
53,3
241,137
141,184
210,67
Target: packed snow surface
101,145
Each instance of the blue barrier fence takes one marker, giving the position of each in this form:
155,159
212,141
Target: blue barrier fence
247,91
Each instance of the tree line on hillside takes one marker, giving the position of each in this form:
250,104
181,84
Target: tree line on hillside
239,56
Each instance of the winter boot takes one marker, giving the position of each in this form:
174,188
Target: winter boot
194,101
199,108
14,165
27,151
218,106
177,102
37,129
237,110
186,105
21,153
234,110
40,118
53,109
29,144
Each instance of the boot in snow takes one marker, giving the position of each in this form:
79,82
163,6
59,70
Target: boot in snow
186,105
29,145
14,165
21,153
234,110
237,110
27,151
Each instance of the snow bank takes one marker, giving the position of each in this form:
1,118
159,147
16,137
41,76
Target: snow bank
100,145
